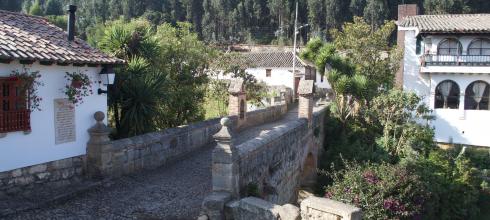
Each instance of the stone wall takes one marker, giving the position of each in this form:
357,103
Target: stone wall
24,181
152,150
155,149
272,163
262,116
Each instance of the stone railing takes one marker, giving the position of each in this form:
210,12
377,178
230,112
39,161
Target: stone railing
106,158
272,162
265,115
272,166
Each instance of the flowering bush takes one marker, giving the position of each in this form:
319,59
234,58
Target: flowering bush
29,84
382,191
452,182
79,86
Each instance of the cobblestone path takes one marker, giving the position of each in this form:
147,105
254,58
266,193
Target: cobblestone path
174,192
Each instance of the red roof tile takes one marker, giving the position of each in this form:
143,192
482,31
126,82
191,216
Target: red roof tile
25,37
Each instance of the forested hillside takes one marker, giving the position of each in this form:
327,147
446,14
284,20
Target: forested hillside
232,21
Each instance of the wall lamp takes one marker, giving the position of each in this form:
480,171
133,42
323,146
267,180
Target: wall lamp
107,76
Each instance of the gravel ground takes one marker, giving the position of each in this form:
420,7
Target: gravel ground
174,192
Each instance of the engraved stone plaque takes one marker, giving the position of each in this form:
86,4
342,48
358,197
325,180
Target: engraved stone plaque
64,121
306,87
236,86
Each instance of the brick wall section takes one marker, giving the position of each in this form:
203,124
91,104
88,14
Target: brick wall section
403,12
24,181
305,108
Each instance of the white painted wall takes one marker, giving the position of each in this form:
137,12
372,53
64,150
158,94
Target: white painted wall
20,150
459,126
279,76
320,84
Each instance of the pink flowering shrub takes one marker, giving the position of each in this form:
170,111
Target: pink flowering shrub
382,191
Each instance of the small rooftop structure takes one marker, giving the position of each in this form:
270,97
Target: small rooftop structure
448,23
32,38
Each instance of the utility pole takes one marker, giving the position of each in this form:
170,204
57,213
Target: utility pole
295,36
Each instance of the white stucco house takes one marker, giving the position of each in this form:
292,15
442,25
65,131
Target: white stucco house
57,129
275,68
447,62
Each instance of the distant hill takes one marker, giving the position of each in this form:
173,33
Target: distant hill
240,21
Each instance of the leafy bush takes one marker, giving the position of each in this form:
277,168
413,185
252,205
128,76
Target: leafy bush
382,191
453,184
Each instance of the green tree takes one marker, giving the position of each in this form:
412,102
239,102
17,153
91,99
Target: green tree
10,5
356,7
375,12
335,13
135,97
370,52
53,7
185,70
36,9
445,6
316,16
399,115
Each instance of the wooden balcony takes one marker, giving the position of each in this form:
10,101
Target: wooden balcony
455,60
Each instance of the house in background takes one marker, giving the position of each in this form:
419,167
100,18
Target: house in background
447,62
58,130
275,68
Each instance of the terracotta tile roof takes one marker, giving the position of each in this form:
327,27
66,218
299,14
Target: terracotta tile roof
449,23
270,59
25,37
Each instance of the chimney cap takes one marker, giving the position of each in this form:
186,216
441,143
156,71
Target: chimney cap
71,8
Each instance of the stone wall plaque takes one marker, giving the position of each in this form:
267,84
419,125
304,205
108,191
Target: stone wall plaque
306,87
64,121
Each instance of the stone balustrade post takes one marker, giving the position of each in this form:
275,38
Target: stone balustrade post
225,161
305,92
97,163
238,101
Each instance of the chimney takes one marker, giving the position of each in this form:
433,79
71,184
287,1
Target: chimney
403,12
71,21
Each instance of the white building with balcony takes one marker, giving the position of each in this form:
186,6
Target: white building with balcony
447,62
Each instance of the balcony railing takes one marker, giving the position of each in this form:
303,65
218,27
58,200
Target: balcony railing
455,60
15,121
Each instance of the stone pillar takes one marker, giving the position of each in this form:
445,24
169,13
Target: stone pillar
224,175
238,101
97,160
305,92
225,161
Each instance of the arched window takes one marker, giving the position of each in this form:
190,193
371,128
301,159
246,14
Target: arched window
449,46
476,96
479,47
447,95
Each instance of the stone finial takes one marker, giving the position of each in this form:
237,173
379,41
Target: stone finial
225,134
237,86
306,87
99,116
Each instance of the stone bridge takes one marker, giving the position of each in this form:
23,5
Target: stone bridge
268,153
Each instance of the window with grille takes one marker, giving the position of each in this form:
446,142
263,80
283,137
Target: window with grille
449,47
14,111
479,47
